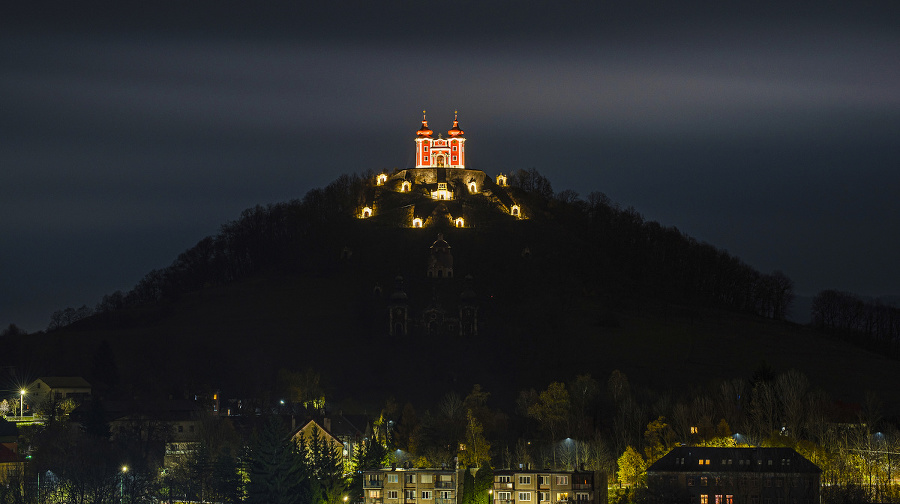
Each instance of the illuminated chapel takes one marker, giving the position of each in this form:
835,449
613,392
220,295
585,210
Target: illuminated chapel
438,185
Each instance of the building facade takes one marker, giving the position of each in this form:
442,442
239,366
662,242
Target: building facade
440,152
410,486
544,487
707,475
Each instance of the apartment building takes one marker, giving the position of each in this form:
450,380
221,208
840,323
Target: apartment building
410,486
546,487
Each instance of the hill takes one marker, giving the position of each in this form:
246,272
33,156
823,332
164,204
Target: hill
579,287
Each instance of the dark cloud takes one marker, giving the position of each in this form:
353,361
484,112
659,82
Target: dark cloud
767,131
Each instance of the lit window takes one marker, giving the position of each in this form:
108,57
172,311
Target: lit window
693,430
704,499
562,496
392,478
729,499
718,499
504,495
374,494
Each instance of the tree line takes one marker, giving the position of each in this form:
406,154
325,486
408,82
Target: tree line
870,324
614,250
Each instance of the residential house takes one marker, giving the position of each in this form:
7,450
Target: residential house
58,388
11,462
707,475
528,486
410,486
345,434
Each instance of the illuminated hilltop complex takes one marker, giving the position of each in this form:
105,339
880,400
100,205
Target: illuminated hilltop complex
440,190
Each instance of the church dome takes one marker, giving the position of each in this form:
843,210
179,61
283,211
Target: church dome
424,131
455,131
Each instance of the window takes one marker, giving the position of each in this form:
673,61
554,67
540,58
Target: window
391,478
703,480
454,149
561,496
524,496
446,477
392,494
694,430
504,495
445,494
718,499
562,480
454,158
544,496
410,478
729,499
544,480
374,494
410,495
503,479
582,496
690,481
524,480
425,148
426,158
426,478
779,482
426,494
704,499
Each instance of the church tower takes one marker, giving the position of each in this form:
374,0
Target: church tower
440,152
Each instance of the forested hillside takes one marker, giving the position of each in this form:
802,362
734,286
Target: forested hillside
581,282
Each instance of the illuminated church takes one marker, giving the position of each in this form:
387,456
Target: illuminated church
439,184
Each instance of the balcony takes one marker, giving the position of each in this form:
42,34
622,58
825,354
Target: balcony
444,484
373,484
503,486
444,501
582,486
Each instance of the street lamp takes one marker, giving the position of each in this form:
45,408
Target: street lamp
490,496
122,484
21,403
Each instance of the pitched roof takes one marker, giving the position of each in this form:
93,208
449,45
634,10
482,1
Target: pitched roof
65,382
751,460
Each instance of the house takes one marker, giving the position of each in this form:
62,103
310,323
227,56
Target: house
58,388
343,433
527,486
11,463
410,486
708,475
172,426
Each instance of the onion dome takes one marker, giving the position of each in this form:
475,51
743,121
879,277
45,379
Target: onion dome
455,131
424,132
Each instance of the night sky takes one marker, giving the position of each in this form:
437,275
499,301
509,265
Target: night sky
128,133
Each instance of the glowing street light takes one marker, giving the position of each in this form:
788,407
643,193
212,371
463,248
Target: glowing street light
122,484
21,403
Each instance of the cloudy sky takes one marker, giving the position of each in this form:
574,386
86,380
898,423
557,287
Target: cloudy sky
128,133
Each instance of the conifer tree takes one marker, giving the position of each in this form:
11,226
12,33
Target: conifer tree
274,466
484,481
